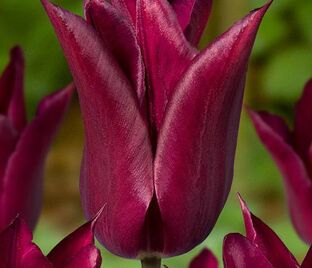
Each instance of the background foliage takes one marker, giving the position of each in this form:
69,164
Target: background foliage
280,65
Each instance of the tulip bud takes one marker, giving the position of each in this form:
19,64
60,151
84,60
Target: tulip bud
160,118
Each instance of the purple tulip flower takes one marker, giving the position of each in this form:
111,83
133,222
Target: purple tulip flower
24,146
160,118
292,152
77,250
261,248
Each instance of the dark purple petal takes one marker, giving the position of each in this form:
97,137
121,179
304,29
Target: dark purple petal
78,247
11,90
17,249
183,10
88,257
197,141
21,189
298,185
127,7
199,18
303,123
166,53
263,237
8,138
205,259
239,252
117,165
307,262
118,36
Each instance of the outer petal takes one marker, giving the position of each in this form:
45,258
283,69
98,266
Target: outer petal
78,247
239,252
303,123
8,138
166,52
196,145
307,262
183,10
117,165
199,18
205,259
118,36
297,182
12,90
263,237
21,190
17,249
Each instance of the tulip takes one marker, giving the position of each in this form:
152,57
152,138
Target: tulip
205,259
292,152
24,146
261,248
160,120
76,250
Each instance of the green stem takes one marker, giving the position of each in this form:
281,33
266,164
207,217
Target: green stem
151,263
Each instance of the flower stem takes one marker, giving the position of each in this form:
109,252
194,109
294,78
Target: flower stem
151,263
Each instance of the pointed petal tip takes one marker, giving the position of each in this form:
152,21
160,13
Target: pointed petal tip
96,217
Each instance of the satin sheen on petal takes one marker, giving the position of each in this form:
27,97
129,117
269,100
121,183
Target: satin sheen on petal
239,252
166,53
205,259
17,249
21,185
196,145
117,165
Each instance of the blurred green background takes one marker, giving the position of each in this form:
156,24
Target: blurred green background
280,65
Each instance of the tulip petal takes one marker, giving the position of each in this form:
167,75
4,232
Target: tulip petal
297,182
17,249
8,138
165,50
22,182
197,24
127,7
303,122
11,90
239,252
307,262
197,141
117,165
78,247
183,10
266,240
119,37
205,259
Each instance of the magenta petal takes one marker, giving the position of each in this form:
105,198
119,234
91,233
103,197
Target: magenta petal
266,240
78,247
166,52
117,165
22,182
183,10
303,122
17,249
197,141
199,18
205,259
11,90
127,7
88,257
297,182
8,138
239,252
307,262
118,36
